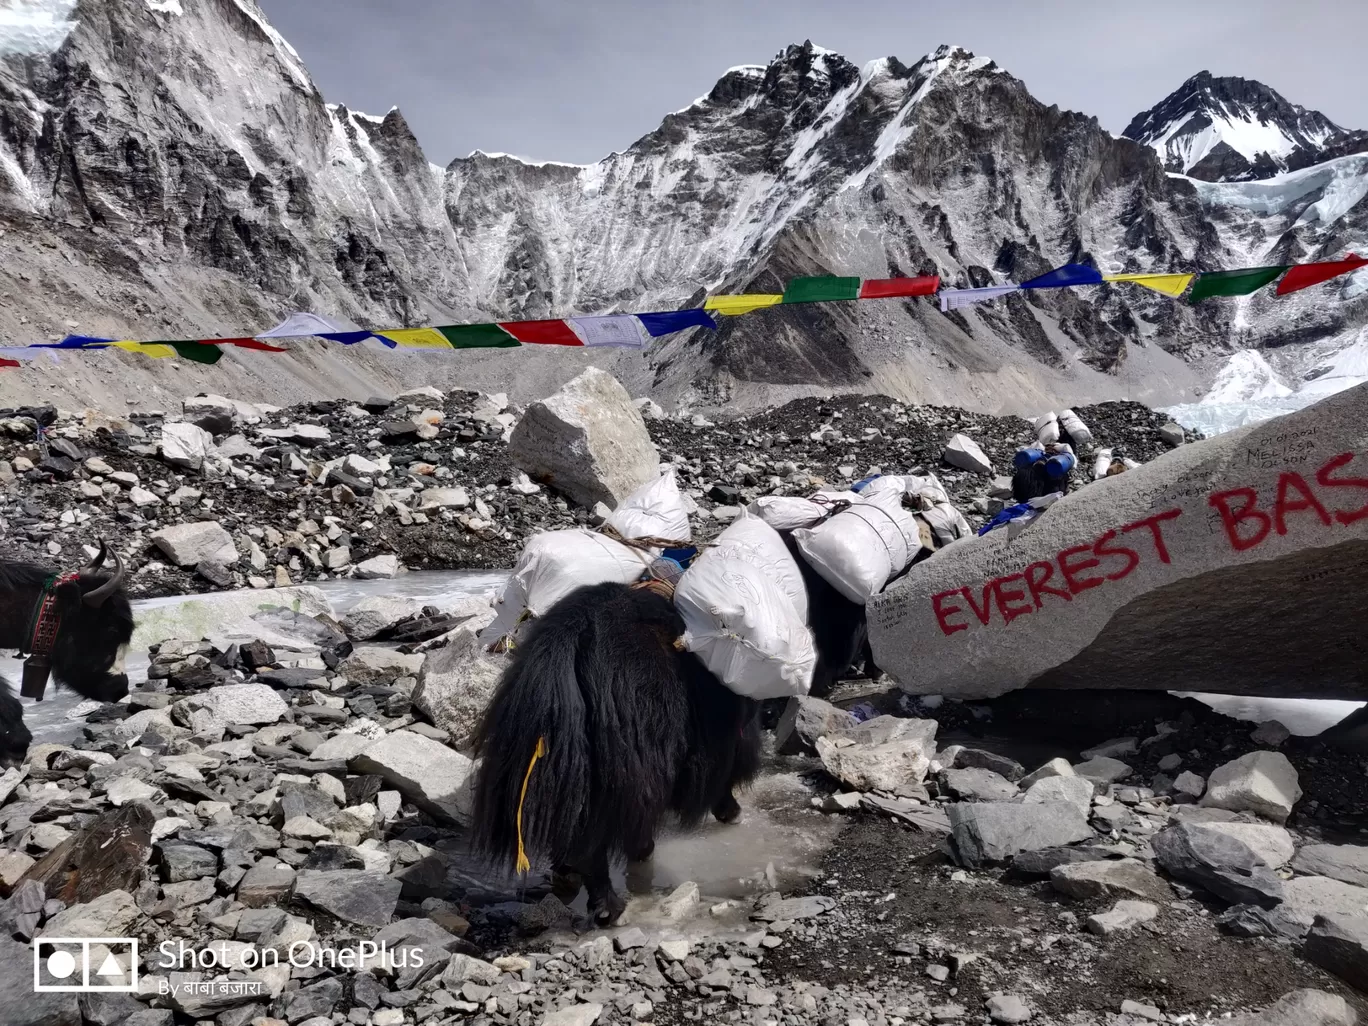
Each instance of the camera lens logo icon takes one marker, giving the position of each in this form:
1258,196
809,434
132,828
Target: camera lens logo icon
85,965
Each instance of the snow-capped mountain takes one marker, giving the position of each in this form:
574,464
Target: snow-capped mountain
169,169
1235,129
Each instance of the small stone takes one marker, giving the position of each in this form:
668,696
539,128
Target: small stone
1053,768
1270,733
1264,783
1008,1008
1122,916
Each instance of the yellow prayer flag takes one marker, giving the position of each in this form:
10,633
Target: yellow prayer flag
1168,284
417,338
733,305
152,349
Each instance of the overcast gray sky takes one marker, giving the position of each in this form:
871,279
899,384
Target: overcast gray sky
576,79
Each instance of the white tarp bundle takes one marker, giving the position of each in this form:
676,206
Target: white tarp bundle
655,510
1079,433
947,524
1047,428
1102,464
745,612
860,548
554,563
785,512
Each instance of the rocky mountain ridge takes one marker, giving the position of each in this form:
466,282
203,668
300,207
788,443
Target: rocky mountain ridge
172,171
1235,129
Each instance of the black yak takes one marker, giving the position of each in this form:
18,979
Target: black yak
78,625
602,725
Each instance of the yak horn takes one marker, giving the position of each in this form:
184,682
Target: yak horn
99,559
95,599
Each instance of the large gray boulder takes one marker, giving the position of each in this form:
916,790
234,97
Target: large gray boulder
587,441
1221,566
1226,867
1264,783
199,542
1302,1008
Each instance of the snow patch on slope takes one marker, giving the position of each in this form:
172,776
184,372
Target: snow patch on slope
1342,183
35,28
166,7
289,56
1246,376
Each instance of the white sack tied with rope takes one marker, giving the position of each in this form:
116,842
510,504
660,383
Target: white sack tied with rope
745,613
554,563
861,547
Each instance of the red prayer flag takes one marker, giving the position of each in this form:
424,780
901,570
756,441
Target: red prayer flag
542,333
892,288
246,343
1303,276
6,362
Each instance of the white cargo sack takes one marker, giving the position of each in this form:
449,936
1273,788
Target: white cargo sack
1047,428
555,563
860,548
1078,431
740,616
1102,464
655,510
924,489
786,512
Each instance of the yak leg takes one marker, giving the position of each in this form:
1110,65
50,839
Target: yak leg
14,736
605,904
566,882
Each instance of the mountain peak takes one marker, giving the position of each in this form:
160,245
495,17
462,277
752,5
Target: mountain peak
1225,128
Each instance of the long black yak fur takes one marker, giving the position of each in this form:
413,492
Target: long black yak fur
634,729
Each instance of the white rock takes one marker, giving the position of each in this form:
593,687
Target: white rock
186,445
963,452
444,498
141,497
575,1015
1124,915
301,434
212,711
124,789
198,542
1264,783
370,664
380,568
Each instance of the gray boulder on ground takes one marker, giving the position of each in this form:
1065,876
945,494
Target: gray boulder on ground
804,720
1339,944
1121,878
1172,576
203,541
372,616
456,685
186,445
352,895
1122,916
379,568
588,441
985,833
977,785
1302,1008
218,708
427,772
1217,862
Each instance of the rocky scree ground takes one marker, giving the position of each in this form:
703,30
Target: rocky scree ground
250,798
315,491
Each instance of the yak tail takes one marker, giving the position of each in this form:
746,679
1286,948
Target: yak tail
533,782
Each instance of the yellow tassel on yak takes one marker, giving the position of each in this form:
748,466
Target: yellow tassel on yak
523,865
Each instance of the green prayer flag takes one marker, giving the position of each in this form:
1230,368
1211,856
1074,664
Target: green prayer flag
1232,283
479,336
821,289
197,351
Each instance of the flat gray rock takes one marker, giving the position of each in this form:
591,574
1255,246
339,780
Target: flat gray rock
978,785
352,895
1121,878
985,833
791,909
1264,783
1302,1008
1347,862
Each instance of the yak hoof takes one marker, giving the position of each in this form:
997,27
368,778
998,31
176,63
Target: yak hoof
606,909
728,810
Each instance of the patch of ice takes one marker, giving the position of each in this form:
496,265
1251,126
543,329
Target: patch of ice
1343,182
166,7
1246,376
34,28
